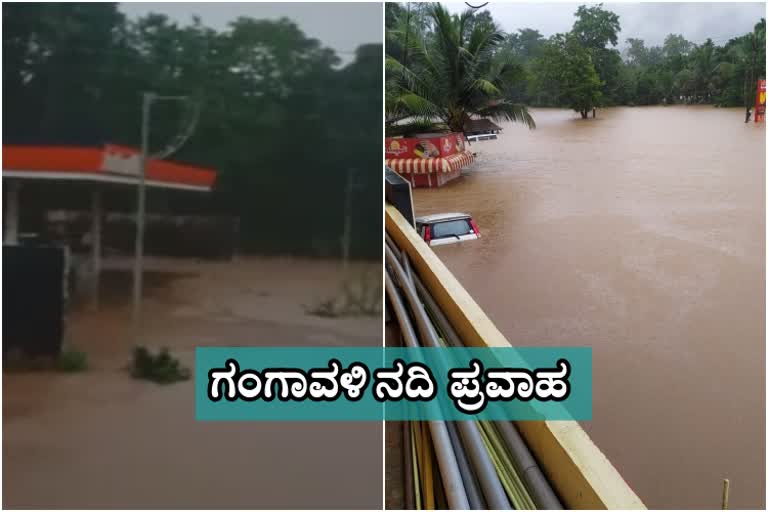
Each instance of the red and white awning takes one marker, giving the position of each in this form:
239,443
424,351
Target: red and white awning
430,165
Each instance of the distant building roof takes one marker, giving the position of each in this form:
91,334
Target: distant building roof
481,126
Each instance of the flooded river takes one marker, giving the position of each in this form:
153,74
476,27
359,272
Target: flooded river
100,439
642,234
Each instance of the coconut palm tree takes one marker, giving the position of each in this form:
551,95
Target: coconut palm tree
452,73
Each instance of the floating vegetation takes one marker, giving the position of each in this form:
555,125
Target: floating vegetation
161,368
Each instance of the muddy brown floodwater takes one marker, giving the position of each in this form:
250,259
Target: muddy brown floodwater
100,439
642,234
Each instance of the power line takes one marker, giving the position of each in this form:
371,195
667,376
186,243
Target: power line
187,128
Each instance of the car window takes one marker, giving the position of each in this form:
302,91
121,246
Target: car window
451,228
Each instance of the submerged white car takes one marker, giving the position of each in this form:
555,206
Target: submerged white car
447,228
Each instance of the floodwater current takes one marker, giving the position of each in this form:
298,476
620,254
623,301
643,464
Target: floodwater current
100,439
640,233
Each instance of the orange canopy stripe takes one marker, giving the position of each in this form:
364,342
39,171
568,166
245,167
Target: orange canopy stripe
70,159
52,158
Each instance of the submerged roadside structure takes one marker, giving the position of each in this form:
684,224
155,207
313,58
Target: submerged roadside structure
93,171
760,102
428,160
481,127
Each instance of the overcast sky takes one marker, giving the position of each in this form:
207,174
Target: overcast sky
344,26
341,26
647,21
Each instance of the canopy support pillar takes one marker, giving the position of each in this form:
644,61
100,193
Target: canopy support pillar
96,214
12,213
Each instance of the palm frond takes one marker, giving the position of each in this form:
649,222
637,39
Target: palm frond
419,106
506,111
487,87
454,72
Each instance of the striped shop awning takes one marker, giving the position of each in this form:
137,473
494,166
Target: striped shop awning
430,165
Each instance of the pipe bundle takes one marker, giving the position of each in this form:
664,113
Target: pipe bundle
457,465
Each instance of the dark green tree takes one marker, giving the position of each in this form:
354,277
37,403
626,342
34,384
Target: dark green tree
526,43
596,28
565,68
280,120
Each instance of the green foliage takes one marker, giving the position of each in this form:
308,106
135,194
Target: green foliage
681,71
426,81
595,27
72,361
358,295
449,69
565,69
68,361
280,119
526,43
161,368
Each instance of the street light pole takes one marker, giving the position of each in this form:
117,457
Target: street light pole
347,220
140,211
144,157
346,237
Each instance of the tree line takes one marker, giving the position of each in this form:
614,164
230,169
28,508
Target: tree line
580,69
279,117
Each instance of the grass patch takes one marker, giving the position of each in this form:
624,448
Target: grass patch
68,361
161,368
359,295
72,361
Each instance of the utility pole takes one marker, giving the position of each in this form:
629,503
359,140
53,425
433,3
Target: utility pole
347,236
138,261
144,157
754,56
749,78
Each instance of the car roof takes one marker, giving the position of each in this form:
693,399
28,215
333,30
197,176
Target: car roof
426,219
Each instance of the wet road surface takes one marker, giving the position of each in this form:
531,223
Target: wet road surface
101,439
